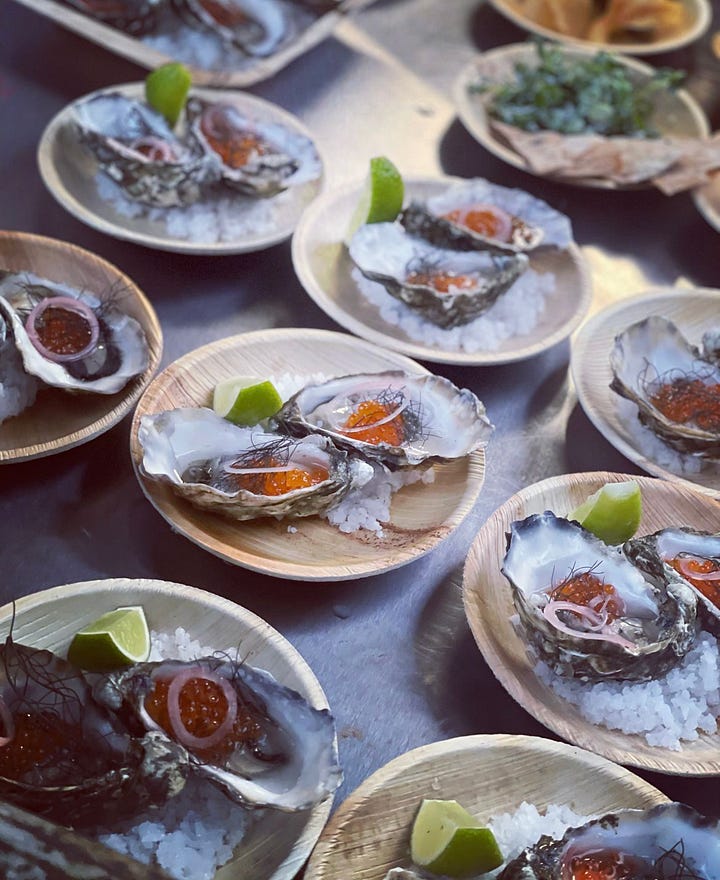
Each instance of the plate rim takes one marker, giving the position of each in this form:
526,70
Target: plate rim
328,198
287,570
577,360
66,199
700,25
124,407
475,120
514,687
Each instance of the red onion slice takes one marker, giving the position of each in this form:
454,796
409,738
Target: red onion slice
183,735
337,426
68,303
8,724
685,566
280,469
551,609
154,148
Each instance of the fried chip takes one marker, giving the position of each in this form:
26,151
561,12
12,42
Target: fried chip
625,19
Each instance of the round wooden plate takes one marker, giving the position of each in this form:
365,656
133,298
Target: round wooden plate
489,607
58,420
488,775
422,515
675,113
323,266
707,201
275,847
698,17
693,311
69,172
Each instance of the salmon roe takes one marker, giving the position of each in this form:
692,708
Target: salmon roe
40,739
484,221
63,331
225,14
608,865
276,483
441,281
689,400
686,566
584,587
235,146
370,413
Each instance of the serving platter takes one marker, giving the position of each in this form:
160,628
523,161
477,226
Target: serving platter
489,775
675,113
323,266
307,548
693,311
58,421
275,847
240,72
707,201
698,15
489,609
210,226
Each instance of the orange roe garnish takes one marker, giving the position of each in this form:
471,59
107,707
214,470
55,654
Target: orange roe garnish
63,331
203,708
40,738
689,400
225,14
236,146
608,865
441,281
584,587
484,221
686,565
276,483
369,413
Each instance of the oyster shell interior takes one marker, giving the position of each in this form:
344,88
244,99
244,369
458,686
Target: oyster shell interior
257,27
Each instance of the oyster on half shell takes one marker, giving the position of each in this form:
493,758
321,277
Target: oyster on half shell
587,611
393,417
268,748
245,473
447,287
675,385
257,27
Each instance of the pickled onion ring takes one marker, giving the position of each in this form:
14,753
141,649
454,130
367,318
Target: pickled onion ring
280,469
158,150
183,735
684,566
550,613
8,723
368,425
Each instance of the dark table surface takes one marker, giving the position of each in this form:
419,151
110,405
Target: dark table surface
393,653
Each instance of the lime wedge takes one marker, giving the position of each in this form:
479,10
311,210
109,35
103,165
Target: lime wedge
447,840
243,400
612,513
381,199
118,638
166,89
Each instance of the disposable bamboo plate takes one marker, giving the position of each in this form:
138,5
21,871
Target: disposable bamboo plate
698,15
232,68
323,266
58,420
488,775
72,175
615,417
675,113
489,609
707,201
276,845
306,548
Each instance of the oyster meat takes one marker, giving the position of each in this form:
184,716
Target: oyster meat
393,417
245,473
694,556
257,158
447,287
668,842
17,388
479,215
69,338
135,147
265,746
675,385
587,610
137,17
257,27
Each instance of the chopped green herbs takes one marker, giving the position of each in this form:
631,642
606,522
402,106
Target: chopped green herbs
574,95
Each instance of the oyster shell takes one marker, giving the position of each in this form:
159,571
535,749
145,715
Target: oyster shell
692,555
66,757
135,147
449,288
257,27
245,473
137,17
478,215
667,841
119,353
279,752
258,158
656,367
393,417
17,388
587,611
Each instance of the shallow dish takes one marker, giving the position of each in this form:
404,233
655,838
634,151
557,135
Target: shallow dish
698,12
488,775
57,420
323,266
275,847
69,172
422,516
675,113
707,201
246,72
489,607
693,311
